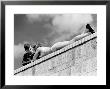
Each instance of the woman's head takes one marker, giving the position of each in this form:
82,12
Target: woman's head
35,46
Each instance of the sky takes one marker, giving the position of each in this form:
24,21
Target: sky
47,29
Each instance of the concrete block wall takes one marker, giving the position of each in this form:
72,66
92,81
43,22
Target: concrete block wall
76,59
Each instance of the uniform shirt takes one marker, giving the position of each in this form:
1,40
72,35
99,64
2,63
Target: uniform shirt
28,56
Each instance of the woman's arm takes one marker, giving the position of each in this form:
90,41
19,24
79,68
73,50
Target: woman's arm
36,55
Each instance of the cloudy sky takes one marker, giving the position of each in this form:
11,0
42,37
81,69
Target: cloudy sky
47,29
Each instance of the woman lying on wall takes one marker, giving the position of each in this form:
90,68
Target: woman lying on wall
41,51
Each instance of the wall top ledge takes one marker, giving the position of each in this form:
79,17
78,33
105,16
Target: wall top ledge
72,45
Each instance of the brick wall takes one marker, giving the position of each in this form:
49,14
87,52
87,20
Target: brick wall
76,59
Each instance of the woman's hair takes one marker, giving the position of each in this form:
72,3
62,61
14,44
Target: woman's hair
35,46
39,44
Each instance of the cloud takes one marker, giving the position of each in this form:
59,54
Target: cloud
67,25
18,54
62,26
39,17
33,17
18,50
70,22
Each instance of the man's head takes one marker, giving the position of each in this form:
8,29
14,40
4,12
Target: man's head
26,46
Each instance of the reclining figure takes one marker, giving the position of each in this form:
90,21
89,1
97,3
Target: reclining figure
42,51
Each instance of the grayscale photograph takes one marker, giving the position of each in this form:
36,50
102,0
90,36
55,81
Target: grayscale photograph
55,44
